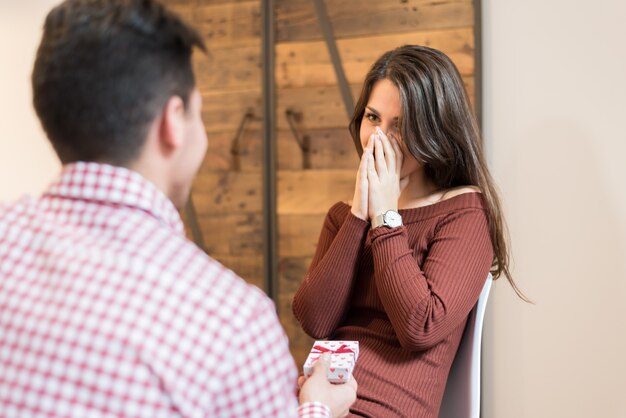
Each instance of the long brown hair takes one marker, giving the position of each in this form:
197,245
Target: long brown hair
439,130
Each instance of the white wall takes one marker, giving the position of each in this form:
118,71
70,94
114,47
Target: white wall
27,161
554,122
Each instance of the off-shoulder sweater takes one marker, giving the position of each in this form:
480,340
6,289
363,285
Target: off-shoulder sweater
404,293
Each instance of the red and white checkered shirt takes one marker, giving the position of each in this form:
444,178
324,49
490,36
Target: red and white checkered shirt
106,310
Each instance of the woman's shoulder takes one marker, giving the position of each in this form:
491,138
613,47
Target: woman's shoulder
459,190
444,203
443,197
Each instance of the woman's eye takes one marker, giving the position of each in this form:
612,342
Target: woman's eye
371,117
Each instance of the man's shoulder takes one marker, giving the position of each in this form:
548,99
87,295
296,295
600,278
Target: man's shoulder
217,283
17,213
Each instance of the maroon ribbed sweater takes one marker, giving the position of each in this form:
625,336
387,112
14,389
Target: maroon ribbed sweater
403,293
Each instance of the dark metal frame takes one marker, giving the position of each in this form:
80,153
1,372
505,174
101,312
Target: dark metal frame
270,241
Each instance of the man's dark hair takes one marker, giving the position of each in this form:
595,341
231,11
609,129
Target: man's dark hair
103,72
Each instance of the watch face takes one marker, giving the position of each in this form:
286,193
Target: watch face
393,219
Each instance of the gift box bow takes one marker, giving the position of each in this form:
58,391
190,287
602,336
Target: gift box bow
344,348
343,359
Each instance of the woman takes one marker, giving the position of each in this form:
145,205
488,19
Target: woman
400,268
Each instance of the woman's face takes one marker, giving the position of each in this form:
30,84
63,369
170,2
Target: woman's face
384,109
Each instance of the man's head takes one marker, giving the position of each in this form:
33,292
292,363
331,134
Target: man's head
105,71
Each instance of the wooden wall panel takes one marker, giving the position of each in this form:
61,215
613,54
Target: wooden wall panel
308,63
317,106
296,20
328,148
223,70
229,24
227,193
305,192
292,270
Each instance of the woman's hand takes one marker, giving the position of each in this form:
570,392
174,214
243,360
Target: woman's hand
360,200
383,174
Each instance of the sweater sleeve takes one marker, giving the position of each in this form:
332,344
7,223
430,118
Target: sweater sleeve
425,304
324,296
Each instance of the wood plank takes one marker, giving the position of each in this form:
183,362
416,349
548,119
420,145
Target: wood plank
318,107
291,273
216,193
222,111
328,148
215,2
313,191
220,158
234,68
296,20
298,234
229,24
301,64
233,234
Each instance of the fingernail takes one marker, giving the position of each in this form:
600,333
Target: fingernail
326,357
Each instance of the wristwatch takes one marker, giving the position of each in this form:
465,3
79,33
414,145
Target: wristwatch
390,219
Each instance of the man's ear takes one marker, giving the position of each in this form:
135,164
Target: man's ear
173,123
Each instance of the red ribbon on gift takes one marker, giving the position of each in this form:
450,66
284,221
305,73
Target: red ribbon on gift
343,349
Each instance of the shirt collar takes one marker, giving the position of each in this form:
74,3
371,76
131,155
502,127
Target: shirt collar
114,185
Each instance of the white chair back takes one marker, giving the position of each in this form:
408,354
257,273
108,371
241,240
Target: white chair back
461,398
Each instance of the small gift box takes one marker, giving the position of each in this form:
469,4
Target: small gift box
342,359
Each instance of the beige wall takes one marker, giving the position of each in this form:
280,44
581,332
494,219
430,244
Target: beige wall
555,107
27,162
555,113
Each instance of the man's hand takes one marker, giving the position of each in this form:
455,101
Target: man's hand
338,397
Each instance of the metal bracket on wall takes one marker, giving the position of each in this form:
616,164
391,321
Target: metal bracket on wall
333,51
235,149
303,141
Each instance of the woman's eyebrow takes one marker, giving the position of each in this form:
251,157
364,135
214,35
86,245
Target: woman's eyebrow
374,111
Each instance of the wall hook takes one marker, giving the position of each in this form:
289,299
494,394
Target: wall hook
235,149
303,141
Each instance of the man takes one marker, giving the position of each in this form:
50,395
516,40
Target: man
105,308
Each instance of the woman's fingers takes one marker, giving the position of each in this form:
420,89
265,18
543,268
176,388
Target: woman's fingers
395,143
372,170
359,202
390,154
379,156
370,143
